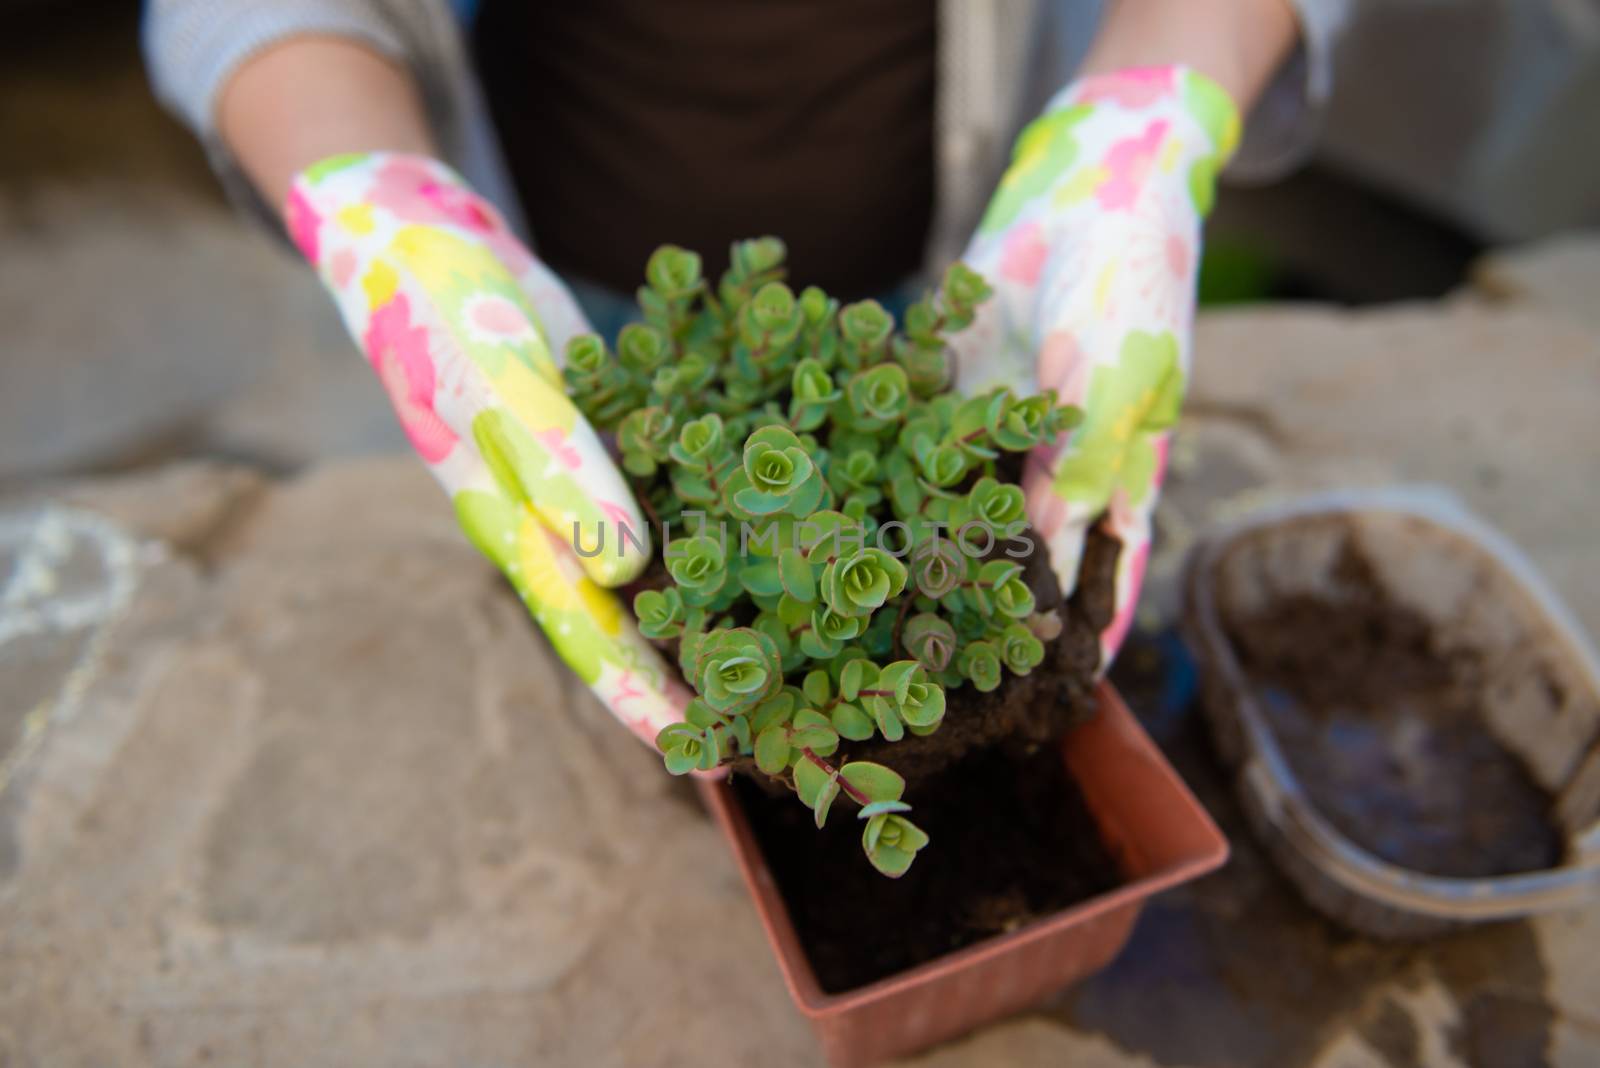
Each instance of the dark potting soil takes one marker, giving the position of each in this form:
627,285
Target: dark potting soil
1012,838
1012,841
1383,726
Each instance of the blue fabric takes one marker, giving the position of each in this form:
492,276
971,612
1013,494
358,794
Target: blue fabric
607,310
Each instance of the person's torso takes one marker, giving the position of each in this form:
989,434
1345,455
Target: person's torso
631,123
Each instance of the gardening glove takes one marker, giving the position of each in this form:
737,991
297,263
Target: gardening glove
1091,243
461,324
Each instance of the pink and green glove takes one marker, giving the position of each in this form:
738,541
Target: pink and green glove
1092,243
462,326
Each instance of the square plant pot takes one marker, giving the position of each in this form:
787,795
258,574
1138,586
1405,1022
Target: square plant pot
1149,821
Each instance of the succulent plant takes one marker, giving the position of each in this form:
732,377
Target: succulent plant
841,548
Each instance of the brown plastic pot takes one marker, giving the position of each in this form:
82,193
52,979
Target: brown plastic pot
1149,821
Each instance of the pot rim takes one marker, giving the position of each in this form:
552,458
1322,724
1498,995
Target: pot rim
1265,771
800,977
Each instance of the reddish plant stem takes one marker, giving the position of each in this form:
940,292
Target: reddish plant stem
649,512
905,606
844,784
711,478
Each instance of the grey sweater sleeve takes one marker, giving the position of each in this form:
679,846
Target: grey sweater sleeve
192,48
1284,124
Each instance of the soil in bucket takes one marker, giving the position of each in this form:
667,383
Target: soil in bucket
1381,720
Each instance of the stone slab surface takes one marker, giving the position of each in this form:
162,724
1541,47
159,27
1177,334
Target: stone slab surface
289,780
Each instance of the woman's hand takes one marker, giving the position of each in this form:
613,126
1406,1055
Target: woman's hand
1091,243
462,326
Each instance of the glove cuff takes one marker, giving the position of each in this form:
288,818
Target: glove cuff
371,194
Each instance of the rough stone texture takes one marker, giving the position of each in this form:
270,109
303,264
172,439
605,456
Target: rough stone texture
1493,400
1556,275
328,801
316,793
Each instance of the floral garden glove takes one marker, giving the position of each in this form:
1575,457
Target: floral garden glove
460,323
1091,244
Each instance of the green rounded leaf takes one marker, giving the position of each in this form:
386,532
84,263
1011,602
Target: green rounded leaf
856,676
979,662
851,722
871,810
930,639
938,568
810,781
862,582
892,842
673,272
660,613
877,782
879,395
642,347
772,749
697,563
865,324
699,442
817,688
796,576
1021,649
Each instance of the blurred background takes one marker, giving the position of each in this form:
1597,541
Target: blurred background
235,827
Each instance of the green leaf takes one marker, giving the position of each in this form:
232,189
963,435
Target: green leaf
892,842
699,442
772,749
660,613
817,646
817,689
758,503
796,576
891,861
699,715
858,584
857,675
980,663
642,347
879,396
761,579
779,709
923,707
851,722
871,810
888,720
876,781
897,677
740,728
736,669
672,271
793,613
1021,649
825,802
681,762
809,782
813,730
931,640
